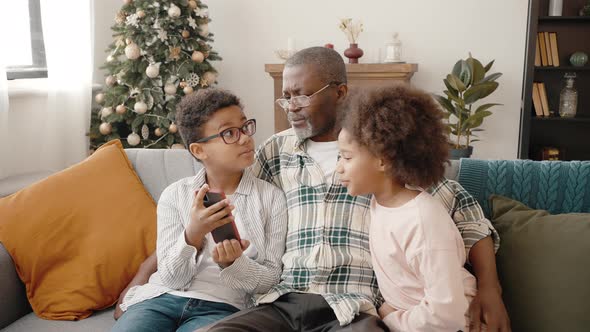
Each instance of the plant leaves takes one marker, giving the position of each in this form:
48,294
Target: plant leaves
456,83
491,77
485,107
479,91
450,88
489,66
477,70
445,103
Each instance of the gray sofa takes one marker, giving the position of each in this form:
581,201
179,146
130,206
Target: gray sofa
157,169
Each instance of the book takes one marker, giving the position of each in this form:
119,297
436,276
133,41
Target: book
548,47
537,54
542,48
554,51
537,100
544,101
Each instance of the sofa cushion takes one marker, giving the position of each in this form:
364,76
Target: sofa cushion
78,237
99,322
543,266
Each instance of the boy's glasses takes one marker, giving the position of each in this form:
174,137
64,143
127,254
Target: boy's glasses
300,101
232,135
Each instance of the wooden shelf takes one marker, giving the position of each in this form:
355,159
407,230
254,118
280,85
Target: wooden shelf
562,68
564,18
560,119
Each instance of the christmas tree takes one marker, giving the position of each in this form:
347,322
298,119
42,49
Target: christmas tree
161,52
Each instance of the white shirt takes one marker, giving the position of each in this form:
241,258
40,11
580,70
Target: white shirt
325,154
261,217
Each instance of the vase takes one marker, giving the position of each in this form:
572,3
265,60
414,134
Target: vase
353,53
456,154
555,7
578,59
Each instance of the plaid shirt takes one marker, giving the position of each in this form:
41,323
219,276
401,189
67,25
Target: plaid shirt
327,248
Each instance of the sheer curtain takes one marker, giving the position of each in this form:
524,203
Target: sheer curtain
68,35
45,127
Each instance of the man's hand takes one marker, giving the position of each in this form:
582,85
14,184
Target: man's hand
146,269
487,308
226,252
385,310
204,220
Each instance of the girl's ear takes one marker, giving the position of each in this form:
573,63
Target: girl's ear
196,150
382,165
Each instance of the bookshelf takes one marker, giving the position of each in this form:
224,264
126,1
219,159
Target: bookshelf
570,135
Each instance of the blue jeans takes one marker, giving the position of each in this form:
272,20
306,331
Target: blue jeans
172,313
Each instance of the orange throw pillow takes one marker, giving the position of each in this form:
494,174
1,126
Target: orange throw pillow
78,237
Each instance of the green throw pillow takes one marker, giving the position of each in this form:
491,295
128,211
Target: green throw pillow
544,266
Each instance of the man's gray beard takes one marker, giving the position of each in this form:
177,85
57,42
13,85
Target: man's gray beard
304,133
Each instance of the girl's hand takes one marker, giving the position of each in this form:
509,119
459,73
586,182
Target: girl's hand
385,310
226,252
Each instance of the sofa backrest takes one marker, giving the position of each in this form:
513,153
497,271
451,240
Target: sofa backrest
158,168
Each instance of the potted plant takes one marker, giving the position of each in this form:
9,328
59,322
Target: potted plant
466,84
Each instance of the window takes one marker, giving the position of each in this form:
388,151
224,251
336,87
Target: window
26,58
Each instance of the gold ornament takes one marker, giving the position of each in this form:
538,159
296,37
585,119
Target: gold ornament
192,4
99,98
182,84
140,107
105,128
158,132
128,41
208,78
185,34
204,30
110,58
127,2
187,90
198,57
170,89
173,128
132,51
153,70
133,139
140,14
106,111
174,11
174,53
110,80
121,109
120,17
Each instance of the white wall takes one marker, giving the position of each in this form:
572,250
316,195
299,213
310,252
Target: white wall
434,34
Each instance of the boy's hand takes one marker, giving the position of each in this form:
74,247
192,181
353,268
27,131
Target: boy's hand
204,220
385,310
226,252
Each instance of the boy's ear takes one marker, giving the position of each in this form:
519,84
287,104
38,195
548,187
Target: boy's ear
196,150
382,165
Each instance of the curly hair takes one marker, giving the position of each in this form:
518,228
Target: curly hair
194,111
403,126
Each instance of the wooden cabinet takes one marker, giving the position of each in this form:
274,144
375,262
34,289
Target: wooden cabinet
379,74
571,136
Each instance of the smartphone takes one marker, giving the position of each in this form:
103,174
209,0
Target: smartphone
228,231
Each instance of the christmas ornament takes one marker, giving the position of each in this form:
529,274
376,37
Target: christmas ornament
198,57
208,78
177,146
105,128
158,132
134,92
204,32
127,2
110,80
133,20
174,11
110,58
132,51
99,98
145,131
140,107
187,90
121,109
202,12
170,89
133,139
185,34
192,4
140,14
128,41
193,80
173,128
162,35
174,53
153,70
120,18
182,84
106,111
192,23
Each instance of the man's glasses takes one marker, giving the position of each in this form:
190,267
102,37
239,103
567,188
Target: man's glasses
232,135
300,101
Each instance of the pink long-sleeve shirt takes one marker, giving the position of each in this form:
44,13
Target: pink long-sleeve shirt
418,257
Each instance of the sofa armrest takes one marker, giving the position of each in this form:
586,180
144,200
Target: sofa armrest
13,302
